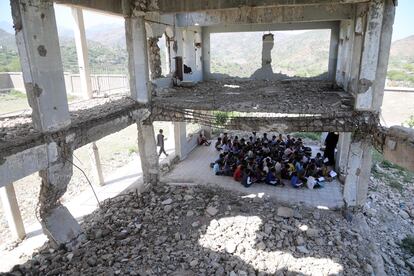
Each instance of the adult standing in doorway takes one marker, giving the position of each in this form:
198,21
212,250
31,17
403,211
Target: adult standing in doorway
330,145
160,143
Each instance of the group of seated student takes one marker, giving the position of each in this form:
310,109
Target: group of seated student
271,160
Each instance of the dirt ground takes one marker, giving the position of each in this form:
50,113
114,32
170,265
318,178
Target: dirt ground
115,151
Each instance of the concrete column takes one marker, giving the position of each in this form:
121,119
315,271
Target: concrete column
180,138
369,59
96,164
384,53
341,158
206,54
12,212
136,41
359,27
38,45
148,153
333,53
154,58
82,52
57,222
358,171
86,84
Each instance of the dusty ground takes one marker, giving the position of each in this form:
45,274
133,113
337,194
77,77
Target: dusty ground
115,150
190,230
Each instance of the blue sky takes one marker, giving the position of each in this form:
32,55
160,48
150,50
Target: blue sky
403,26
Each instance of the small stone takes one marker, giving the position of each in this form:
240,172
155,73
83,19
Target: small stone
300,240
285,212
261,246
168,208
195,224
91,261
404,214
69,257
193,263
190,213
211,211
230,247
368,268
312,233
167,201
410,262
302,249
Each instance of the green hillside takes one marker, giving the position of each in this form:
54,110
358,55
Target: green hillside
102,59
401,64
302,54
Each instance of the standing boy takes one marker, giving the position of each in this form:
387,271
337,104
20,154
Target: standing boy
160,143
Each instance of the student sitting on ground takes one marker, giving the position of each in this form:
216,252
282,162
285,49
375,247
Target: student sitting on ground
295,181
238,173
203,141
218,144
271,178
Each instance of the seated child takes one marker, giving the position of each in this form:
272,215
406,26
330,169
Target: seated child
217,169
218,144
247,180
202,140
238,173
295,180
271,178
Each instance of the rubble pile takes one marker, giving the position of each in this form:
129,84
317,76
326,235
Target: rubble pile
287,96
192,230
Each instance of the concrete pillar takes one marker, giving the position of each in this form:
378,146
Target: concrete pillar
12,212
57,222
369,59
359,28
38,44
384,53
359,157
268,43
154,58
333,53
148,153
82,52
96,164
358,171
86,84
341,158
180,138
206,54
136,41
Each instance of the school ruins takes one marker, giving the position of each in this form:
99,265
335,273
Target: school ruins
347,100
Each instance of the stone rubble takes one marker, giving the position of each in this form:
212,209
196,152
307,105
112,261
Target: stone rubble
214,232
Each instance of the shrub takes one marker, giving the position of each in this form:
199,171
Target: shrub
220,118
410,121
408,244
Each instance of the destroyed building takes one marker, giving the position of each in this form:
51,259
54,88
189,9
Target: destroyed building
348,100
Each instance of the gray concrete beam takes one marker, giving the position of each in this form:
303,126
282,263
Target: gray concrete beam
105,6
266,15
168,6
38,45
